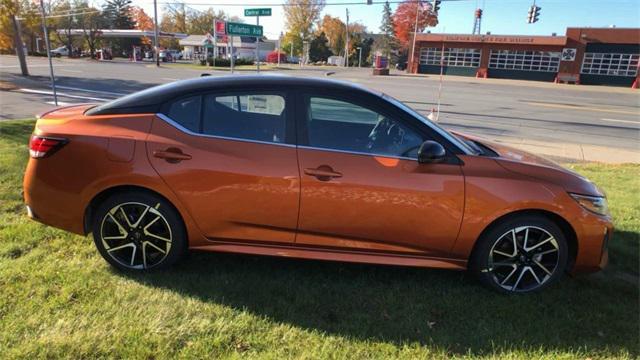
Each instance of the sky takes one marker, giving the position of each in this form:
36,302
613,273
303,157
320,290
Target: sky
455,16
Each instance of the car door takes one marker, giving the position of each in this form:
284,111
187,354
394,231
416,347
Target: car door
362,187
230,158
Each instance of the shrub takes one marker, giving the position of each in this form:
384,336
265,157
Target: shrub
272,57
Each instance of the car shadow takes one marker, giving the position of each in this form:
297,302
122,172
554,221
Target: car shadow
443,309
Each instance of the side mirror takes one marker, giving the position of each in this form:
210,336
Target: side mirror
431,152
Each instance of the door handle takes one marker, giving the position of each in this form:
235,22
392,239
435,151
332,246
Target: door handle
172,155
323,173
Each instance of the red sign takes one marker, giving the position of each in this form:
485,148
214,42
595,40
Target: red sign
220,27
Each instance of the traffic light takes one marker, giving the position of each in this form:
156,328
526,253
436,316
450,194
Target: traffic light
534,14
436,5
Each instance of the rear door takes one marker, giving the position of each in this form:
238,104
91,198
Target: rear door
231,159
362,186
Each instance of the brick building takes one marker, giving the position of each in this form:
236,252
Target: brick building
602,56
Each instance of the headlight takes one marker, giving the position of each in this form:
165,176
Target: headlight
595,204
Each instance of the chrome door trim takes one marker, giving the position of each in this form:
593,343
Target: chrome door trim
176,125
356,153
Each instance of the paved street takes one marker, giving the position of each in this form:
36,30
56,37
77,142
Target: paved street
568,121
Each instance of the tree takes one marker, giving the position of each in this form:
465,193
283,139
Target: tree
300,15
334,30
318,50
404,20
63,25
386,42
117,14
91,23
142,21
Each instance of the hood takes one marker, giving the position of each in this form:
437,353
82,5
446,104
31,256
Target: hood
525,163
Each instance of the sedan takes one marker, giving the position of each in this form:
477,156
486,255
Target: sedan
307,168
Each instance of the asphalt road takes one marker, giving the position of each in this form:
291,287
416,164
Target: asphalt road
497,109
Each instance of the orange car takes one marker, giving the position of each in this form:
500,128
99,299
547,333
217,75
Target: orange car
307,168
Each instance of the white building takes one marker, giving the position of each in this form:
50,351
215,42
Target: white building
195,47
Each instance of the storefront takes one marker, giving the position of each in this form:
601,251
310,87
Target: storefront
585,55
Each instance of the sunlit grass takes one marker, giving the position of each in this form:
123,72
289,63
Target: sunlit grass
58,298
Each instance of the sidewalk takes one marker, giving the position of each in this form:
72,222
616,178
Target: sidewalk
575,152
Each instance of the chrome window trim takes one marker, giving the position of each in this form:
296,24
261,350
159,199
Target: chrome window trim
356,153
177,125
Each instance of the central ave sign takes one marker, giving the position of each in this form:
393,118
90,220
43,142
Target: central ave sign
257,12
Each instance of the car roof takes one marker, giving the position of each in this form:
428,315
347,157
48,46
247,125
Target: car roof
149,100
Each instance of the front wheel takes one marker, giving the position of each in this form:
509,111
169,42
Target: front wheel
524,254
138,231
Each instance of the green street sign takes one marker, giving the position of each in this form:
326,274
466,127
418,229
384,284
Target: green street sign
257,12
243,29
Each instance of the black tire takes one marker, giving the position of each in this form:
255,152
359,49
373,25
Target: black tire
504,265
157,227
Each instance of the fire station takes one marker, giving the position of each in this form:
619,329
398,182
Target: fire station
596,56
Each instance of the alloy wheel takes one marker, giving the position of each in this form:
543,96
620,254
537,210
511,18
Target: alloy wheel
524,258
136,235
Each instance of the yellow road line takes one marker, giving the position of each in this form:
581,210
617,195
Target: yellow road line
582,108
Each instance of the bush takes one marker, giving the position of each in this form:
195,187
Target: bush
226,62
272,57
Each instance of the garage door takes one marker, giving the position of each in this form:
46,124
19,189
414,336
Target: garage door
455,61
524,65
605,64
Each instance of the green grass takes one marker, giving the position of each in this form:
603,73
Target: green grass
58,298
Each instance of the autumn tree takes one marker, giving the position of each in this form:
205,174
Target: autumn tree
404,20
142,21
300,17
334,29
91,22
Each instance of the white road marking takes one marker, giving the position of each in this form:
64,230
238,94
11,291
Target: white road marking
91,91
60,103
32,66
622,121
44,92
169,79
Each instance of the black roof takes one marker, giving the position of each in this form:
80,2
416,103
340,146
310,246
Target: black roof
150,100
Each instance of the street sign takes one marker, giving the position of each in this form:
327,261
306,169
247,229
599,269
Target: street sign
244,29
257,12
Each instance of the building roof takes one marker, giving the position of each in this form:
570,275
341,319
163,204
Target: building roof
495,39
150,100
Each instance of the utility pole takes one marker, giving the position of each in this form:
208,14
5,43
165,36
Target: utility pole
46,41
257,47
279,39
17,40
415,32
346,48
155,33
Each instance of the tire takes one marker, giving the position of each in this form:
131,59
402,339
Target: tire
151,236
508,264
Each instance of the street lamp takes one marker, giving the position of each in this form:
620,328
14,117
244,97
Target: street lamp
359,55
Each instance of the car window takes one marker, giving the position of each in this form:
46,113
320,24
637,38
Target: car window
340,125
186,112
258,117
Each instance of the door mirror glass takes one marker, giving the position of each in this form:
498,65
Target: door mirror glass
431,152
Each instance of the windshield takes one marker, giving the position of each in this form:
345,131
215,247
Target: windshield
444,133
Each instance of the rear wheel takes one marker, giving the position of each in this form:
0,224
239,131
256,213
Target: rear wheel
524,254
139,231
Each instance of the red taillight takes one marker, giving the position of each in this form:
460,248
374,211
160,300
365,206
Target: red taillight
42,146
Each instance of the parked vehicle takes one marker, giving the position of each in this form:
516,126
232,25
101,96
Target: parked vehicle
61,51
307,168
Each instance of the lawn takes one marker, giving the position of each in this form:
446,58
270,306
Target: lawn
60,299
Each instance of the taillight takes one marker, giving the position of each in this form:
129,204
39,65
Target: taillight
43,146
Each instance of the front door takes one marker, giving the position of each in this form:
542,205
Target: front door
362,187
231,162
